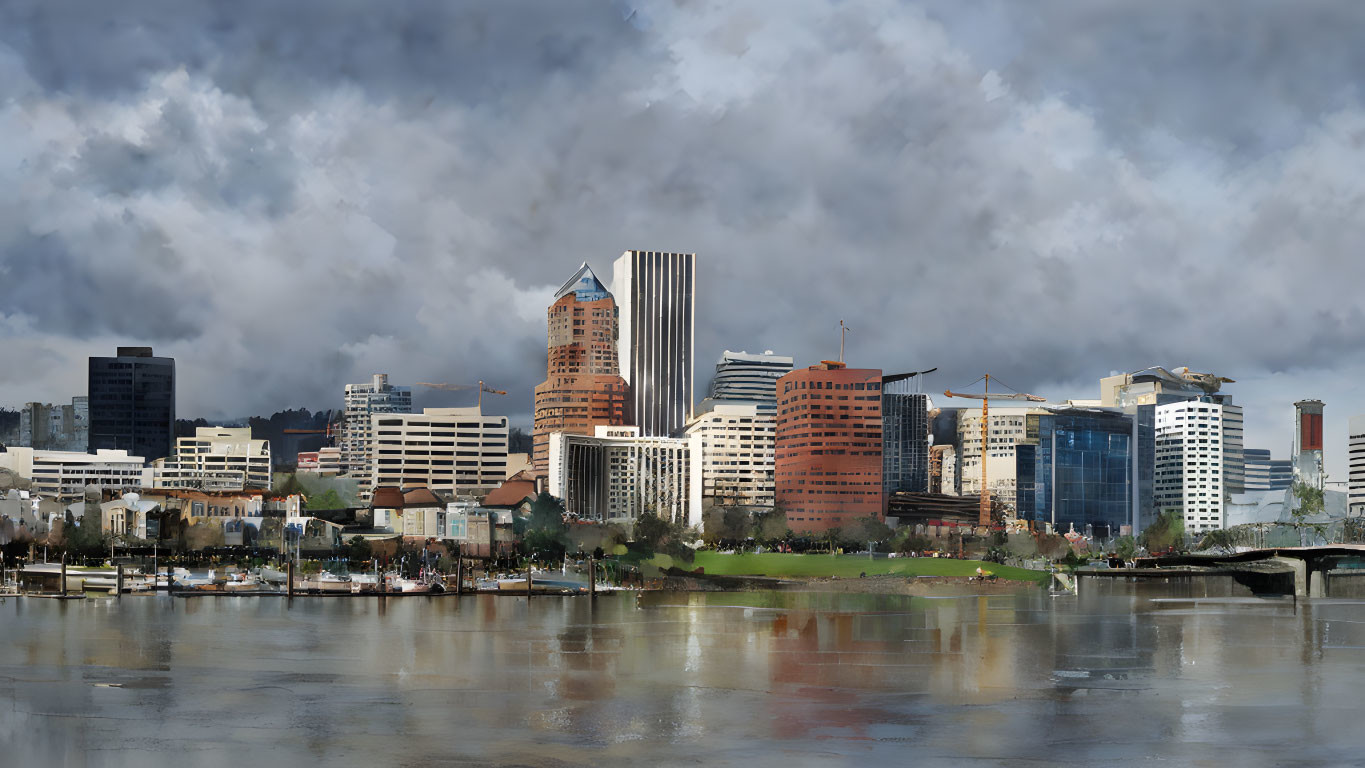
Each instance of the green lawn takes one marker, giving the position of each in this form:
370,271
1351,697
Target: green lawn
845,566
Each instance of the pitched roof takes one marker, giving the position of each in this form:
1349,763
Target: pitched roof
513,491
422,497
585,283
386,497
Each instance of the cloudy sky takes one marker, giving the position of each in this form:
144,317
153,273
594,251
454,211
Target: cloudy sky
289,196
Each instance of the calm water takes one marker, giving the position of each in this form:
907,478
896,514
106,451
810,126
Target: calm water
681,679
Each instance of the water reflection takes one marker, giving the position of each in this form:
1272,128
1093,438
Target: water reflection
1114,676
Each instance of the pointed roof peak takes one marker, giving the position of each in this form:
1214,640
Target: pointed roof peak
584,283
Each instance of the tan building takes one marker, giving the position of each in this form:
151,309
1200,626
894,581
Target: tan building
738,453
64,475
452,451
216,458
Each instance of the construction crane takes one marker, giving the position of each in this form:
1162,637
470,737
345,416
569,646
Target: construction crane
481,387
984,517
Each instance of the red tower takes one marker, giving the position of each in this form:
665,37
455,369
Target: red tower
829,446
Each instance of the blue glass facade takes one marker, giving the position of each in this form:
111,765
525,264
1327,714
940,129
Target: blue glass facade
1082,472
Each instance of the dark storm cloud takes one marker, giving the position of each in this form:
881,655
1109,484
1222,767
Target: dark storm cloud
290,196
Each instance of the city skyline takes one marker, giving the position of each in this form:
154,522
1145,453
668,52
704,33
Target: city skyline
282,224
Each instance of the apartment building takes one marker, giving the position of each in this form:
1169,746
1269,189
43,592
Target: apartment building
65,475
1189,462
215,458
362,402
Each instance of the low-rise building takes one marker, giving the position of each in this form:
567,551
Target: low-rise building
215,458
65,475
617,474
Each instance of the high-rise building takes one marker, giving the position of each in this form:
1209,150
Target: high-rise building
905,437
583,387
132,403
455,451
1266,474
56,427
1008,427
1356,477
655,294
1079,470
829,446
738,453
617,475
1189,462
748,377
1308,442
362,402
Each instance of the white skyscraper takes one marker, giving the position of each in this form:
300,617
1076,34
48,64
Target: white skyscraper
1190,450
655,299
363,401
1356,477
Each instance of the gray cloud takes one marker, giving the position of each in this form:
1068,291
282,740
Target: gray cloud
288,197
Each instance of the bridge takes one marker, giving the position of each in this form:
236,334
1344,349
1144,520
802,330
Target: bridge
1306,571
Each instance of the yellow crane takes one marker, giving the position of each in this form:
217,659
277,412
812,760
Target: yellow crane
984,518
481,387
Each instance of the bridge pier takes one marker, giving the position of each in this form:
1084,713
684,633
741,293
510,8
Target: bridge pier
1316,585
1300,574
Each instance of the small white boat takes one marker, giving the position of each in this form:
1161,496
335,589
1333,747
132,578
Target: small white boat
327,577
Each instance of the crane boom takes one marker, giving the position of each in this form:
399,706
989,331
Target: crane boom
480,387
984,512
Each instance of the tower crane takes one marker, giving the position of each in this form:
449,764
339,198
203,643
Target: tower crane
984,517
481,387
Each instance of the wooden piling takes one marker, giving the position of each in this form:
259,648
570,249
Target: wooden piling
528,582
459,577
289,580
118,581
592,577
63,574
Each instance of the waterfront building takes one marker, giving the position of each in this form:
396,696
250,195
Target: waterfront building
65,475
1356,470
363,401
655,294
1308,458
1189,469
738,453
745,377
1266,474
617,474
452,451
217,458
1008,428
1077,469
905,437
829,446
583,386
56,427
1159,386
131,400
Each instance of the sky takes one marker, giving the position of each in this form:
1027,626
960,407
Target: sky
287,197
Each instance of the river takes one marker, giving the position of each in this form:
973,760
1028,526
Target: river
753,679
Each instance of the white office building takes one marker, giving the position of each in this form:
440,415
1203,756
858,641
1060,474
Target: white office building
617,474
748,377
362,402
216,458
1355,498
1190,454
1007,425
452,451
655,301
738,453
65,475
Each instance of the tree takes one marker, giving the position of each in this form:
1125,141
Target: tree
546,534
1167,532
358,550
1125,547
1310,504
328,500
863,530
651,531
771,526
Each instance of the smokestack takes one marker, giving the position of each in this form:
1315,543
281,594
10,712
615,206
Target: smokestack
1308,442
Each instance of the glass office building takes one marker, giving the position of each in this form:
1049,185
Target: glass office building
1082,470
132,403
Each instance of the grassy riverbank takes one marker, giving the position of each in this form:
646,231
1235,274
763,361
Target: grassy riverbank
781,565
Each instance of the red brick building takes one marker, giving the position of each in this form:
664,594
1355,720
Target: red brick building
829,446
583,386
